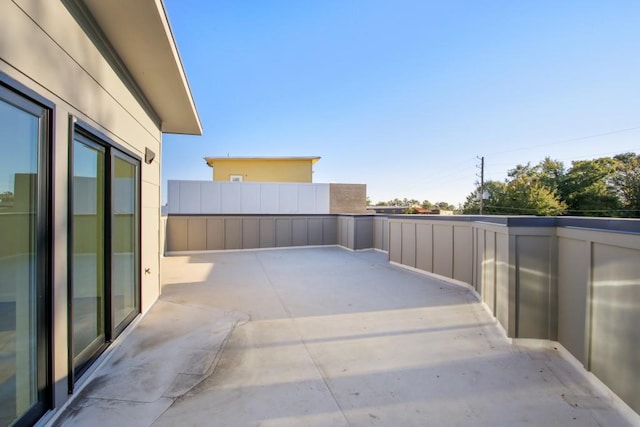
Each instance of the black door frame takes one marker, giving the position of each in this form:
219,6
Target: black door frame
20,96
111,149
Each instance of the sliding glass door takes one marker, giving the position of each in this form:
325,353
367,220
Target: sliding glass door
124,240
88,248
24,254
105,251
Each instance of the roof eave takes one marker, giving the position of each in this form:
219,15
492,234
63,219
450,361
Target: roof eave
140,33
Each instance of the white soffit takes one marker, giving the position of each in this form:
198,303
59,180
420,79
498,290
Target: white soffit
139,31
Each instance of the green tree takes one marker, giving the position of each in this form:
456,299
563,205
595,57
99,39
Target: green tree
426,204
526,194
528,190
588,188
626,180
607,186
552,174
444,206
6,196
495,191
532,190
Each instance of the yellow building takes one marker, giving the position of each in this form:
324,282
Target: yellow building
262,169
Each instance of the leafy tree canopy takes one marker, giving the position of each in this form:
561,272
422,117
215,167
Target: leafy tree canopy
425,204
607,186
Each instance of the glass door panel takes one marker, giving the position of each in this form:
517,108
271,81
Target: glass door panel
20,139
124,240
105,248
87,290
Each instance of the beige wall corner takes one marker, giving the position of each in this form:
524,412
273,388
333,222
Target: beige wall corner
347,198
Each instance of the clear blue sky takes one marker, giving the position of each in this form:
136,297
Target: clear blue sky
402,95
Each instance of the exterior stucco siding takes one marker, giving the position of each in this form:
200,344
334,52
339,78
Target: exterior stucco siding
59,61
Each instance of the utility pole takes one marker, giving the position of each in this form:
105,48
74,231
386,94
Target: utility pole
481,195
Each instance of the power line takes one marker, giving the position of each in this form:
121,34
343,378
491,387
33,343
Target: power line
456,173
453,170
578,158
445,170
565,141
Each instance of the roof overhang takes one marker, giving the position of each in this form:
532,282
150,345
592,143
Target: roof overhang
140,33
212,160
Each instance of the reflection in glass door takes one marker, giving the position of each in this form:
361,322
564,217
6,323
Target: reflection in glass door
105,249
23,254
124,240
88,290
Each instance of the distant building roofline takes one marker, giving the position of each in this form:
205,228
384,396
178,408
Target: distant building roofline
211,160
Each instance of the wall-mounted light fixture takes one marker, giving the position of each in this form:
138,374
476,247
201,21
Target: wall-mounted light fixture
149,156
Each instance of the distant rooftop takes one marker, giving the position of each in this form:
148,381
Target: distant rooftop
212,160
388,209
316,158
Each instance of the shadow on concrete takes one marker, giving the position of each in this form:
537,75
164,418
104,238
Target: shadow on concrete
324,336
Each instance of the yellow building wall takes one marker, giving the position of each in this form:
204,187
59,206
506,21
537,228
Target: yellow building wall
264,170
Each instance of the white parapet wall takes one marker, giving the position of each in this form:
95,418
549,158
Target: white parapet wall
210,197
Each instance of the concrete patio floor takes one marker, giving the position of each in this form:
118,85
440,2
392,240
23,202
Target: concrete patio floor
327,337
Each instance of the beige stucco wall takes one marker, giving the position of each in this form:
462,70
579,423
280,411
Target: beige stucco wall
599,305
381,233
574,284
501,263
218,232
347,198
571,284
186,233
263,170
57,60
